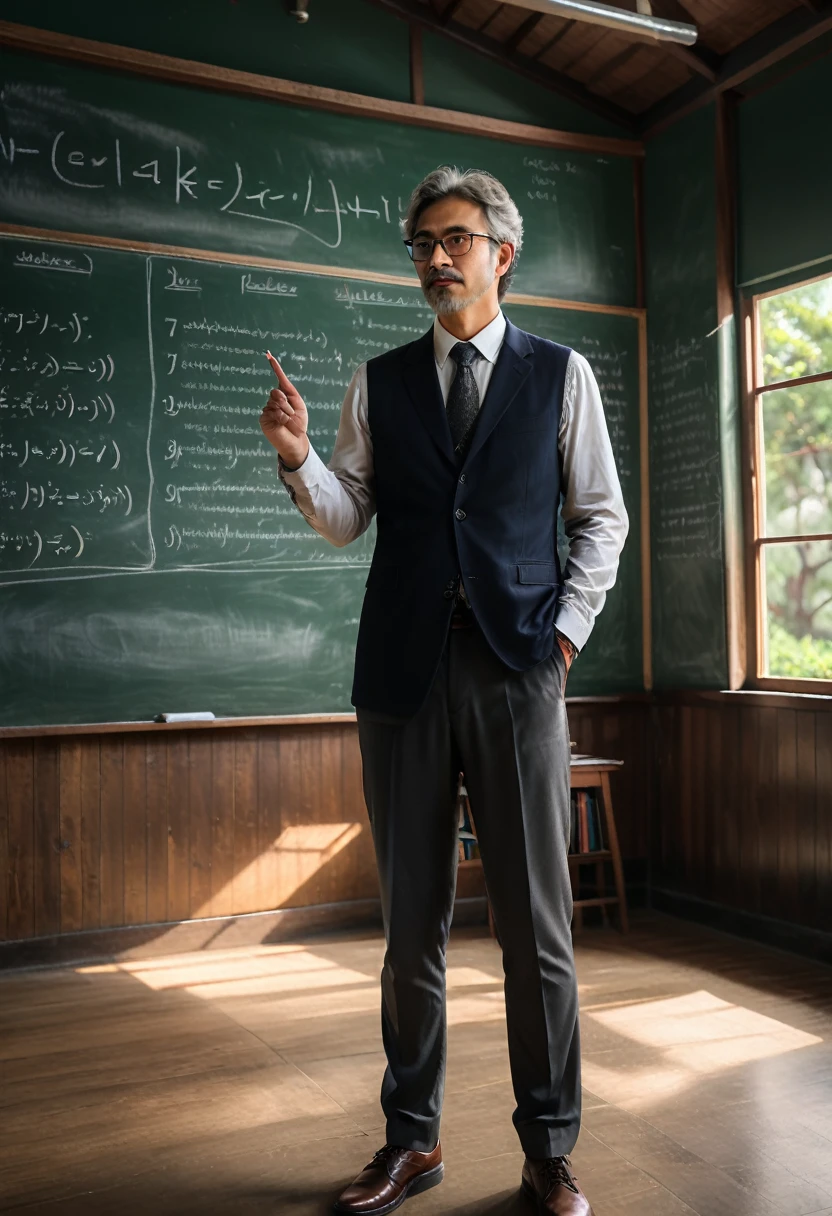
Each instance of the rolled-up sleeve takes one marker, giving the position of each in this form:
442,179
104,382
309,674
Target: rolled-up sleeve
593,509
338,499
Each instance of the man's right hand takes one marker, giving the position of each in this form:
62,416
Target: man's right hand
284,420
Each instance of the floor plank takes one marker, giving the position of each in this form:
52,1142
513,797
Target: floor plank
247,1080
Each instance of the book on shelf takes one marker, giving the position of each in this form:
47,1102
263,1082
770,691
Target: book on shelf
586,828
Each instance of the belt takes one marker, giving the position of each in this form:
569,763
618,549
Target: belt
463,617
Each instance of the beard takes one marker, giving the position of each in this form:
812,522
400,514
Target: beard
444,301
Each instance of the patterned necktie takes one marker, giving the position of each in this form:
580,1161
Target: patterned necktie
463,398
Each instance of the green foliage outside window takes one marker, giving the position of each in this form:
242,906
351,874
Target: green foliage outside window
796,340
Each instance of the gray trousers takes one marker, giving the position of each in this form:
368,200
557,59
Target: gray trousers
507,731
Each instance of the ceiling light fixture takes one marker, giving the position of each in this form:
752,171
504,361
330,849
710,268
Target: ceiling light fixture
642,22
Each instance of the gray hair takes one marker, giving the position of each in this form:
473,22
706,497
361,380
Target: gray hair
502,219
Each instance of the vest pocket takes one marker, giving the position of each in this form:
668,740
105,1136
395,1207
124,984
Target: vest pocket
537,572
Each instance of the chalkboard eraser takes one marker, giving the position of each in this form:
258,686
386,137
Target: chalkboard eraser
207,716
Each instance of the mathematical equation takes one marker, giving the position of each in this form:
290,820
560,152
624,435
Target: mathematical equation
312,205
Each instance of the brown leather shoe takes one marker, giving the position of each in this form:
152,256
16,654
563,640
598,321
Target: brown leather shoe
551,1183
392,1175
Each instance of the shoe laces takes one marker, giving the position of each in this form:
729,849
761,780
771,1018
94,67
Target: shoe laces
384,1154
557,1173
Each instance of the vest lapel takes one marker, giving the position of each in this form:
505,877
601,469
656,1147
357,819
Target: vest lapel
513,366
422,384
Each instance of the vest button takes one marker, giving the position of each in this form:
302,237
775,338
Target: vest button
449,595
463,477
460,514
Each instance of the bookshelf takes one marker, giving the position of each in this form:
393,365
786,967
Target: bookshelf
588,775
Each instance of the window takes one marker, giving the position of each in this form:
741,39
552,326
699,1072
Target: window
790,373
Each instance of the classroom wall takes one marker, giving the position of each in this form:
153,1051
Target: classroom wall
115,830
742,835
784,195
112,831
686,496
262,36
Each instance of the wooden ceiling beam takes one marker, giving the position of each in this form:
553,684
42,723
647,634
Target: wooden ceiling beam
491,17
413,11
776,42
523,30
449,10
555,39
612,65
700,58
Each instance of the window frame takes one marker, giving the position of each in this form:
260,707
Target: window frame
754,390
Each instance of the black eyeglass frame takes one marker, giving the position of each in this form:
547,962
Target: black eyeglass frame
440,240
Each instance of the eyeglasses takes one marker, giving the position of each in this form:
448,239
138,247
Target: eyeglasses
456,245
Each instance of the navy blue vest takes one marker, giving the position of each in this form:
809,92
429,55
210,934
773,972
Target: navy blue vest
494,518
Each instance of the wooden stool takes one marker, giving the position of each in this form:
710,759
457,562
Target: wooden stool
593,772
585,772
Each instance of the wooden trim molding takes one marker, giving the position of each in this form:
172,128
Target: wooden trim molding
291,92
644,464
333,272
122,728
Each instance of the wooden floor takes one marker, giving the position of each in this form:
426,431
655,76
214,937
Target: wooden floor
247,1080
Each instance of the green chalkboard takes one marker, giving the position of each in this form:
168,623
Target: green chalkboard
150,560
784,230
96,152
686,503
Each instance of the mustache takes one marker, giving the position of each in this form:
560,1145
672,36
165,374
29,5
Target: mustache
433,275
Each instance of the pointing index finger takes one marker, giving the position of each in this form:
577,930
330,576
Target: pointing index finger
283,379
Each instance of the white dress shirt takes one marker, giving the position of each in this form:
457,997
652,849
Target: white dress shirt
338,499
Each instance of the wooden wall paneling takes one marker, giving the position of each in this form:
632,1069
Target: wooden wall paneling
246,843
335,873
308,887
701,777
684,792
730,737
4,848
290,809
222,825
355,810
178,828
135,829
806,815
200,778
787,819
823,855
768,813
46,845
748,879
90,831
112,830
66,878
20,783
712,804
269,817
156,760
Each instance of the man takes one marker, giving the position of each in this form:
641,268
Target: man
463,443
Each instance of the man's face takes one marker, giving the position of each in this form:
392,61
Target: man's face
451,284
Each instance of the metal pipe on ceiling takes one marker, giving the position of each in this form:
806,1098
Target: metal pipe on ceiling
596,13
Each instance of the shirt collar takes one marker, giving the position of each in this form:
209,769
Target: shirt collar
488,341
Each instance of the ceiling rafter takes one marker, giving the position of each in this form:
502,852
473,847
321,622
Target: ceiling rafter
449,10
701,58
555,39
492,16
415,12
783,37
523,30
612,65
